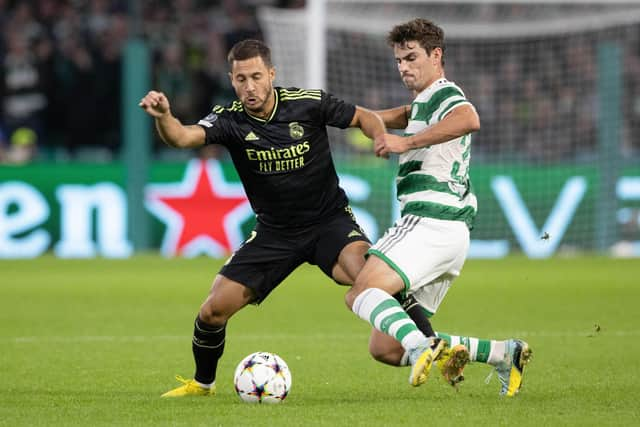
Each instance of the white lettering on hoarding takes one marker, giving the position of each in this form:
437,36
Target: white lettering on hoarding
30,209
628,188
78,203
521,222
93,218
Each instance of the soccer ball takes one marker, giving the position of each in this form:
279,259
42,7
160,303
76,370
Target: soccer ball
262,377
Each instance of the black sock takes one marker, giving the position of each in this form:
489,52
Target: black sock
418,315
207,346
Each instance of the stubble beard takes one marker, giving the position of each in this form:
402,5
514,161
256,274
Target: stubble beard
259,110
411,85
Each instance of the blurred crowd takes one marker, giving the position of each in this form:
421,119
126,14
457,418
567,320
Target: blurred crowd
60,72
540,99
553,92
60,77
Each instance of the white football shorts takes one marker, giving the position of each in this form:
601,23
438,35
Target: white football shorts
427,253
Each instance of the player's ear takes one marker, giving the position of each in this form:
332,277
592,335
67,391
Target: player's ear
436,54
230,74
272,73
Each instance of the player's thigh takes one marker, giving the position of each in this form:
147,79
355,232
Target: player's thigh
340,247
350,262
423,249
376,273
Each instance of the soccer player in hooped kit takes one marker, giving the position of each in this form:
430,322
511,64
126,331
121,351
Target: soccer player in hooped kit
425,250
277,140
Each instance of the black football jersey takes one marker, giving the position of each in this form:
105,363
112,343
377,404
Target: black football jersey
285,162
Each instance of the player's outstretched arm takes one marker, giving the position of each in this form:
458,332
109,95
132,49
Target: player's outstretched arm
395,118
370,123
169,128
460,121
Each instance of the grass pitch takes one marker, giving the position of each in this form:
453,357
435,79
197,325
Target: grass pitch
96,342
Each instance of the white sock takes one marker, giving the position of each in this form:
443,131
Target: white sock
385,314
207,386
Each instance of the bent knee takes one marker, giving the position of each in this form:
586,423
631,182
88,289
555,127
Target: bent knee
211,315
348,300
359,286
350,297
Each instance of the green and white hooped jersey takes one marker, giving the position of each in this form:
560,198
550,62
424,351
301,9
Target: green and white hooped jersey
434,181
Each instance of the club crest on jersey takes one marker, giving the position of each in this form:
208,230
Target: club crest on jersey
295,130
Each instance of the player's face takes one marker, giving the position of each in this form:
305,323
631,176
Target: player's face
253,82
417,69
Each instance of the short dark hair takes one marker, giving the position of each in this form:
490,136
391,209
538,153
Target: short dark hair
250,48
425,32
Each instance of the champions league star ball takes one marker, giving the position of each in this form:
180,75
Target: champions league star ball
262,377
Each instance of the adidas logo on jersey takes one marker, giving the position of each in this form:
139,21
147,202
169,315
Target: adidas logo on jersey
251,137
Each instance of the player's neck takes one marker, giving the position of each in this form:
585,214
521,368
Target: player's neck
430,82
265,113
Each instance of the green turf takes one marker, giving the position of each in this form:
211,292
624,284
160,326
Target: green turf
96,343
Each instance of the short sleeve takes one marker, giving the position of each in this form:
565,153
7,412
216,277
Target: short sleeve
450,98
214,128
336,112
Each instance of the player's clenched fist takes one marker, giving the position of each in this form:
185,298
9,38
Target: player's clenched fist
155,104
379,146
388,143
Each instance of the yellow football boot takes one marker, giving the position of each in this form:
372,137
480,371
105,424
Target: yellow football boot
190,388
452,362
511,371
423,360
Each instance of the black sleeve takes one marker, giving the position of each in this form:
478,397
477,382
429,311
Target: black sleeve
214,129
336,112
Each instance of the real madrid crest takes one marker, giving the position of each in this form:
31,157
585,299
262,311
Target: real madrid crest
295,130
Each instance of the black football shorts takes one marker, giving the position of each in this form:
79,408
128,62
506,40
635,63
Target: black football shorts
270,254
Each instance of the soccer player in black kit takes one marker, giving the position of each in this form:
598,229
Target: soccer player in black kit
277,140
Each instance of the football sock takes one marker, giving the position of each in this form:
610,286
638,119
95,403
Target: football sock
480,350
207,346
419,316
385,314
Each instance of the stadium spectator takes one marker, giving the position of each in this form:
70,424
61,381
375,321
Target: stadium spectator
22,85
244,25
109,44
76,69
23,146
174,78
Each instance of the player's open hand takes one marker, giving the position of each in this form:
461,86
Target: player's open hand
155,104
388,143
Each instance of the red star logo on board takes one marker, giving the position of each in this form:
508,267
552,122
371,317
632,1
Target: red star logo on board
203,213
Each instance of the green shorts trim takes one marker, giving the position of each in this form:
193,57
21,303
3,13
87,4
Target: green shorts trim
393,265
